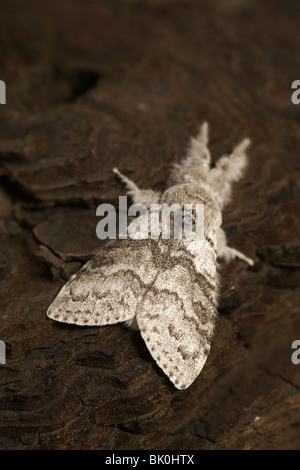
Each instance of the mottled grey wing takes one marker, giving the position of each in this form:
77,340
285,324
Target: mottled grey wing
109,287
177,315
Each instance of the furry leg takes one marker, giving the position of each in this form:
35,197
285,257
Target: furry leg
228,170
196,165
226,252
139,196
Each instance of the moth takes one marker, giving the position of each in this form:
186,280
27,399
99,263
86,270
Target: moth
167,289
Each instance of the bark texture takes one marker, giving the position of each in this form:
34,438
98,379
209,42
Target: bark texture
93,85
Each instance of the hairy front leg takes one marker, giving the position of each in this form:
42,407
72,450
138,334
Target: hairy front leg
226,252
139,196
196,165
228,169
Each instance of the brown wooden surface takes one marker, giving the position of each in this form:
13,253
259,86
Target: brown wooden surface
92,85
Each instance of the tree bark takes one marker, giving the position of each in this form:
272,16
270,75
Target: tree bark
94,85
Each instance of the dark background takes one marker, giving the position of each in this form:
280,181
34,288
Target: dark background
97,84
